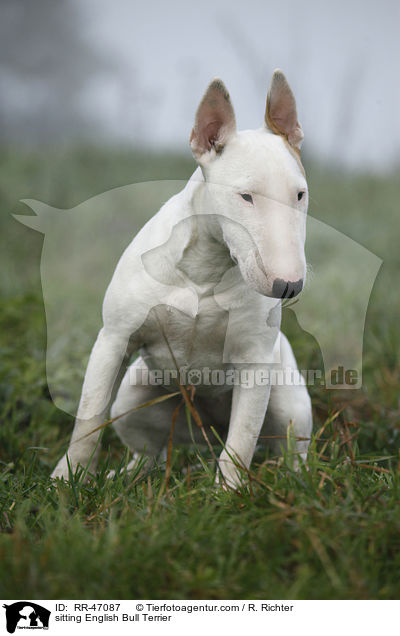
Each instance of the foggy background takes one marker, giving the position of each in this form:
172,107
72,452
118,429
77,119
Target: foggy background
134,73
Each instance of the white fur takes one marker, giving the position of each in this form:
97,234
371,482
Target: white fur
197,280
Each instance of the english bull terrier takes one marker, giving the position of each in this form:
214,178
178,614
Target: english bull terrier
200,288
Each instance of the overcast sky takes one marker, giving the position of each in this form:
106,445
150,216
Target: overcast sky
341,59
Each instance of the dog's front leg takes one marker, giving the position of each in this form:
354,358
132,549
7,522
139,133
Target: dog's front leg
249,406
105,365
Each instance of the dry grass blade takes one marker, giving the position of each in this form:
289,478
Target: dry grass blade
378,469
347,438
105,506
149,495
328,421
195,414
189,483
170,442
157,400
255,478
324,558
189,401
296,437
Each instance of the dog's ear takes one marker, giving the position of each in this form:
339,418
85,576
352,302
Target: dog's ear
214,123
281,112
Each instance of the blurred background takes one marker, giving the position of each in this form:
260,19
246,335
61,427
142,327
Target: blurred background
96,95
133,72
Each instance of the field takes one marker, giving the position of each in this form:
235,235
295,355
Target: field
331,531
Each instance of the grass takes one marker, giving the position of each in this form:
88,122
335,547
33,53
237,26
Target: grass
331,531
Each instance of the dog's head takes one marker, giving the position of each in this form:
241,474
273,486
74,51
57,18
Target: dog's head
256,186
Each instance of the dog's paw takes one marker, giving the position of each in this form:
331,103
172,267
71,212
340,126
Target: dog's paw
229,475
61,471
299,461
65,467
138,462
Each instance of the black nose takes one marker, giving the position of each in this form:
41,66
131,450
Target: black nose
286,289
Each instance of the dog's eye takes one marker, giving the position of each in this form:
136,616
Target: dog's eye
246,197
300,195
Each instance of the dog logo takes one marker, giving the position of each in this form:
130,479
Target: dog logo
332,307
26,615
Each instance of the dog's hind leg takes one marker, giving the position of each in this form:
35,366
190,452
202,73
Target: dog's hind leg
146,430
289,404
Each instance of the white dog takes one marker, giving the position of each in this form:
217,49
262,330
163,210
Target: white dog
197,290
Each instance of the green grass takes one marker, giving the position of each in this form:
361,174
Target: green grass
332,531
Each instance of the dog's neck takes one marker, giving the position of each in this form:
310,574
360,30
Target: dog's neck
205,259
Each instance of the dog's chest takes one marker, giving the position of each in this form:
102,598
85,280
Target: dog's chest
171,336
